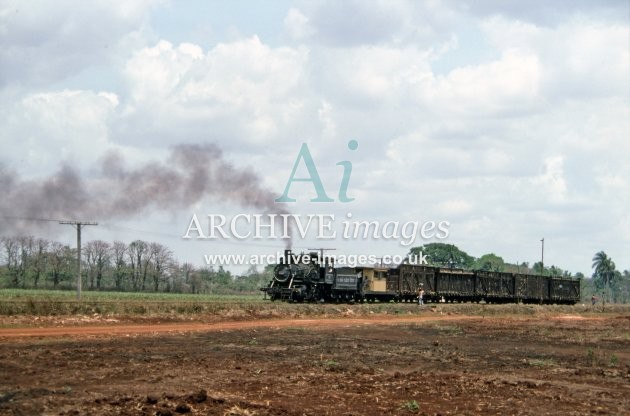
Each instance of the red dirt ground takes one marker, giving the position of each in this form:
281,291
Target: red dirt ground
344,366
219,326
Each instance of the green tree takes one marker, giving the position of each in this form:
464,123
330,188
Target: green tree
624,287
62,263
119,249
39,262
216,281
490,262
253,280
162,261
444,255
538,269
97,255
604,272
11,250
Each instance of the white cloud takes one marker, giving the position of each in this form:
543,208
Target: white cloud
45,129
508,85
353,23
244,91
553,178
370,77
46,42
297,25
579,57
543,12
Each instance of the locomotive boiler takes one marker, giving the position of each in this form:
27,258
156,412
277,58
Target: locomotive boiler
303,278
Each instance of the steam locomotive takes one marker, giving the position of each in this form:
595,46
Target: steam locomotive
303,279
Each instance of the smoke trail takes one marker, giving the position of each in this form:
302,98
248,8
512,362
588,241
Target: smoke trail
191,173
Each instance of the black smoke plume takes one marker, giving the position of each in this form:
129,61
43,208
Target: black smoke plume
190,174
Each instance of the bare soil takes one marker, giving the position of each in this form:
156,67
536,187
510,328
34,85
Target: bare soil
401,365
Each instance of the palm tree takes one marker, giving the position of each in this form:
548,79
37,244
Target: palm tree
604,269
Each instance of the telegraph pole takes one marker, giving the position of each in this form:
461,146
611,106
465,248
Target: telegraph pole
78,225
542,258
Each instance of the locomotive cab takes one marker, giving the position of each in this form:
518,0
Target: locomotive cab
329,277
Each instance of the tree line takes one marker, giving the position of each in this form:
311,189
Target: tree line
140,266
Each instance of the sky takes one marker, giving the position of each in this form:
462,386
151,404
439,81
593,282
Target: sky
508,120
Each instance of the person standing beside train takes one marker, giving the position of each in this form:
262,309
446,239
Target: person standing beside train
420,295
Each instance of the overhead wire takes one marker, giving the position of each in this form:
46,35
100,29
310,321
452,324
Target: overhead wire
116,227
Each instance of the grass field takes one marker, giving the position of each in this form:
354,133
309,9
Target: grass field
89,296
57,302
15,302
